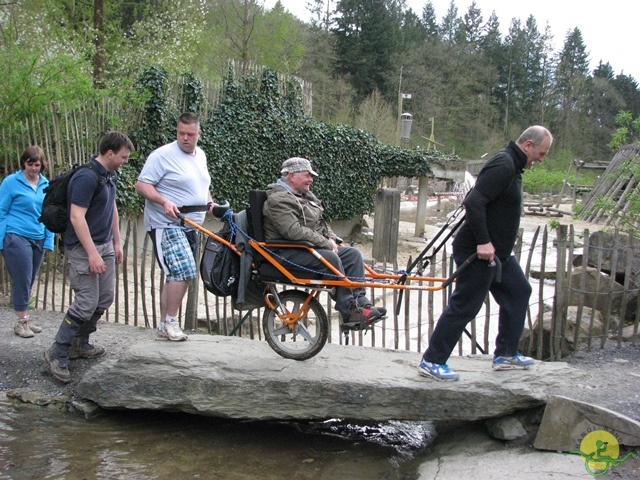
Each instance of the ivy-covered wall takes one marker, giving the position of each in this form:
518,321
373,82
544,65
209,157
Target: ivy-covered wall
259,123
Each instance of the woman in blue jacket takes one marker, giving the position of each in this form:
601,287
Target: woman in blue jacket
23,239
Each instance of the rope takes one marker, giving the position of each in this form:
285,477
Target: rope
233,226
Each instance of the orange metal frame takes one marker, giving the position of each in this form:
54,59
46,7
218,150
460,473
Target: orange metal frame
373,278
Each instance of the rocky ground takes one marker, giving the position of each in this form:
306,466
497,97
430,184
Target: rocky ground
613,382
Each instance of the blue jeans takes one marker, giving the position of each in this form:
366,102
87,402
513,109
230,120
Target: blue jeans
22,257
471,287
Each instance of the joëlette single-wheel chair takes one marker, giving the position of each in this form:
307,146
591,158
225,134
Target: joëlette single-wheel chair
294,322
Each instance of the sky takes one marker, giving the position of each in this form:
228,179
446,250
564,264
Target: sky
609,28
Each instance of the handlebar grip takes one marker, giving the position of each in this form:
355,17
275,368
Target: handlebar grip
497,278
218,211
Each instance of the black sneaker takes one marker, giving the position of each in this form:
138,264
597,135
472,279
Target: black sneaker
366,316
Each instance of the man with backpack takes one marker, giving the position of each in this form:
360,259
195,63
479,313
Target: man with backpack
175,176
92,242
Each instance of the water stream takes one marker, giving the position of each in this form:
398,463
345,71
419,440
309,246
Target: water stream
46,443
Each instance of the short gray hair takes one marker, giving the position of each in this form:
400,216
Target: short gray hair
535,133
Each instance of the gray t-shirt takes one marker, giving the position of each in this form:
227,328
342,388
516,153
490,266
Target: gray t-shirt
179,177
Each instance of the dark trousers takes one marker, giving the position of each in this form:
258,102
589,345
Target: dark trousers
471,287
348,260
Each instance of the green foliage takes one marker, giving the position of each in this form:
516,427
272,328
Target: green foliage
166,34
256,126
539,181
628,129
367,35
155,130
559,159
32,81
482,88
129,202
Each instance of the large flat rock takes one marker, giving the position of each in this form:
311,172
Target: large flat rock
239,378
566,422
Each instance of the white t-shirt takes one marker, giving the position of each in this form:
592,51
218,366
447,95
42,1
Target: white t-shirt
178,177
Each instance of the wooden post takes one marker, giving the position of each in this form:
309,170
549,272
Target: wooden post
387,222
421,214
559,308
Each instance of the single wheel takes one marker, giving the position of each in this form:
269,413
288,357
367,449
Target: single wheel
306,337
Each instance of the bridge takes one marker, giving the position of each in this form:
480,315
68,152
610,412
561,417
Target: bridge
234,377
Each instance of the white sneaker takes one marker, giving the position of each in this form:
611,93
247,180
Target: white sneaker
160,331
173,332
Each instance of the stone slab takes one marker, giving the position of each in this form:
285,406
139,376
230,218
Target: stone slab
566,422
240,378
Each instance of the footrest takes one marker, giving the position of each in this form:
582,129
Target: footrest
356,326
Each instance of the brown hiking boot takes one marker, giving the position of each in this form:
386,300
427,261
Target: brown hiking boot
34,328
80,349
58,369
22,328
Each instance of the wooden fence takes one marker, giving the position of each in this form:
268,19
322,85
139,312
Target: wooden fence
69,136
543,255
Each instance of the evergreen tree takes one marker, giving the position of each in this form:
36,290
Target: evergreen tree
322,12
450,24
627,87
366,37
412,31
472,26
430,21
571,84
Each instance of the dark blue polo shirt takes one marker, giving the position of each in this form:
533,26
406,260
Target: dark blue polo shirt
97,193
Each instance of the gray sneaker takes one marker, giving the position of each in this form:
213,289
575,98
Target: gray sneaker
509,363
58,369
80,349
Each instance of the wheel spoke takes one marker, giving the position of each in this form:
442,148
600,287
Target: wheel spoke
302,330
284,330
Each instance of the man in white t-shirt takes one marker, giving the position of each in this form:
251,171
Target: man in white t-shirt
175,175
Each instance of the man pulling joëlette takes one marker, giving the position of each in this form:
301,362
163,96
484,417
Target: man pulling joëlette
493,208
175,175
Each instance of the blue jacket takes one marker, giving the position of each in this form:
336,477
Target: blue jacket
20,208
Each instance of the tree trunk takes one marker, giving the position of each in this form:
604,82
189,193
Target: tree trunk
98,43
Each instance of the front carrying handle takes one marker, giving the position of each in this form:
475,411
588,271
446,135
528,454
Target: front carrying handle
218,211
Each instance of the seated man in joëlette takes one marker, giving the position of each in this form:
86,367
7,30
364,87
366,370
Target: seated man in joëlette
293,213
